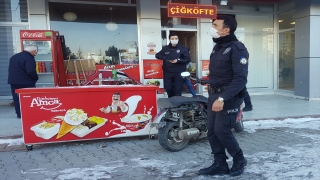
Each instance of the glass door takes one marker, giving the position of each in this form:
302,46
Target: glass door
43,63
286,60
187,38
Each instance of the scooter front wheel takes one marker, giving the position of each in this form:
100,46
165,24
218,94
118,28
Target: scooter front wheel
169,139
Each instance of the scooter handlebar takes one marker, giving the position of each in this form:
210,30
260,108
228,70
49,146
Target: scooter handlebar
197,80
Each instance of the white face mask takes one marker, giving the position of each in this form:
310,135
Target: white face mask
174,42
213,33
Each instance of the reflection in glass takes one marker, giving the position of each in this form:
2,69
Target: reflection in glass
89,36
255,23
287,20
260,47
13,11
165,2
187,23
286,60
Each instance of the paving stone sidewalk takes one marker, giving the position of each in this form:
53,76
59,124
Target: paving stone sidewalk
144,158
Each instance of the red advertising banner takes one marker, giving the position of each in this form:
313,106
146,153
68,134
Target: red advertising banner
130,70
152,69
205,65
83,113
192,10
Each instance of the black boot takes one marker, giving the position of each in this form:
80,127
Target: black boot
217,168
247,108
238,167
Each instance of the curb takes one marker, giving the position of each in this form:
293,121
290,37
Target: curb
12,137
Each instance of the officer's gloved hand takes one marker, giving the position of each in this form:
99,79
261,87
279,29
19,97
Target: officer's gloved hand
203,82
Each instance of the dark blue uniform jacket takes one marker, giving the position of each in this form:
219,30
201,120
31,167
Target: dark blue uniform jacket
22,69
171,53
229,68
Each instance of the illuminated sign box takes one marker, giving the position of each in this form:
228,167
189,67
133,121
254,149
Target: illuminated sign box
192,10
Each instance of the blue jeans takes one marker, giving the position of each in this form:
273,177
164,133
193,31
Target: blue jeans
190,87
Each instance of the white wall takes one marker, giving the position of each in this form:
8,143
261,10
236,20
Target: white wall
37,14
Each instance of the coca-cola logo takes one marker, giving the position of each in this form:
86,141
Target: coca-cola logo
33,35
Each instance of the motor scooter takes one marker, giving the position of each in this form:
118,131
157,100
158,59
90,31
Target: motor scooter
183,118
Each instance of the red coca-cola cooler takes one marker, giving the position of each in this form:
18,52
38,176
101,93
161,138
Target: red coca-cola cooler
50,67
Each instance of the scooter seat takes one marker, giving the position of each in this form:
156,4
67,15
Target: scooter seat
179,100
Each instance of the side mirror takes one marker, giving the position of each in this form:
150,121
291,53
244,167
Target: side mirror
185,74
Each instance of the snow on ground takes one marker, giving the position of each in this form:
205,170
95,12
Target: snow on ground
297,162
12,142
309,123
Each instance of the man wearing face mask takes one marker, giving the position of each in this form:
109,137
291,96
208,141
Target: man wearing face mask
175,58
22,73
227,87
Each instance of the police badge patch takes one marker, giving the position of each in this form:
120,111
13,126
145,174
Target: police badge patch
243,61
227,50
178,50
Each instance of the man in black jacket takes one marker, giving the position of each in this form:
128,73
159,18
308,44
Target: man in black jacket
227,78
175,58
22,73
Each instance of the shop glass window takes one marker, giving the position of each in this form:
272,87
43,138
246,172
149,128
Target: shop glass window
13,11
169,22
286,20
105,33
257,33
247,6
165,2
108,1
255,23
261,49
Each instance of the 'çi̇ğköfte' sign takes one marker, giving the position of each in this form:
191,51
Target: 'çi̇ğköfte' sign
192,10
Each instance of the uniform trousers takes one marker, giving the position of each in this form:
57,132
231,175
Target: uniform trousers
173,83
220,135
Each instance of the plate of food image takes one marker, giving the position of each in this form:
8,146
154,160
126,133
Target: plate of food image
153,82
88,126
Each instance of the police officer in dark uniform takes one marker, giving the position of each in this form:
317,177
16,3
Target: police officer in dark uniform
227,81
175,58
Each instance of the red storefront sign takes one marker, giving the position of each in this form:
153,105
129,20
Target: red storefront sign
192,10
152,69
83,113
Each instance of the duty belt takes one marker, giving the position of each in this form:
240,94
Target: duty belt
216,90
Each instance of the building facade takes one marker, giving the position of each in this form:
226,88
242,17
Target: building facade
281,35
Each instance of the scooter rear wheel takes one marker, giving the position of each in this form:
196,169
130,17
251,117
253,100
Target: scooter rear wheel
169,139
